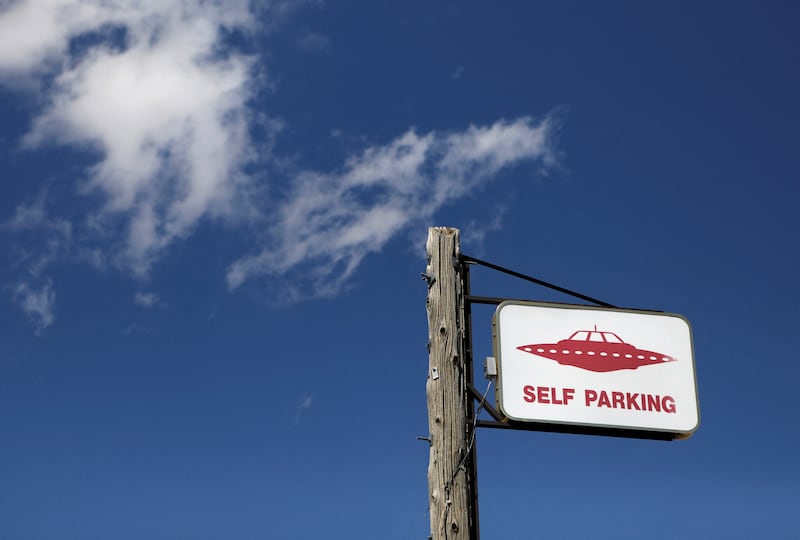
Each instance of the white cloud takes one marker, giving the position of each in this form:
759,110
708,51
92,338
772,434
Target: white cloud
32,216
33,33
474,233
304,405
165,107
147,299
37,302
136,328
161,95
45,238
314,42
42,240
330,221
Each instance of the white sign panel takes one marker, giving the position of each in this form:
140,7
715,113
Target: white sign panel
597,367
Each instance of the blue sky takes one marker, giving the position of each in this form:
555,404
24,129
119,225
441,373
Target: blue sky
213,219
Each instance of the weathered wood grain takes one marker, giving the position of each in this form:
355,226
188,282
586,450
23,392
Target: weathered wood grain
445,389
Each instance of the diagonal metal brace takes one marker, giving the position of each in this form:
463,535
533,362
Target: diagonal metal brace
477,396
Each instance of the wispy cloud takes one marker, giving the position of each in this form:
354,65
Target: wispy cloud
315,42
44,238
148,300
475,232
41,240
33,216
37,301
302,407
136,328
331,221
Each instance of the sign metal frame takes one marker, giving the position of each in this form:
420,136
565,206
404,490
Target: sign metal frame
587,421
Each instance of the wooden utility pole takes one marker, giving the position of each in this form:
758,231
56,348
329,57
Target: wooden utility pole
448,482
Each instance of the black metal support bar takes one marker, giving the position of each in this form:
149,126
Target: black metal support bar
577,430
484,299
468,259
472,463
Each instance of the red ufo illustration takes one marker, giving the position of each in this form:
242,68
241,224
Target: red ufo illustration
596,350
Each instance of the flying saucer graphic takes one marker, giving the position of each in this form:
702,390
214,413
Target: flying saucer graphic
596,350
